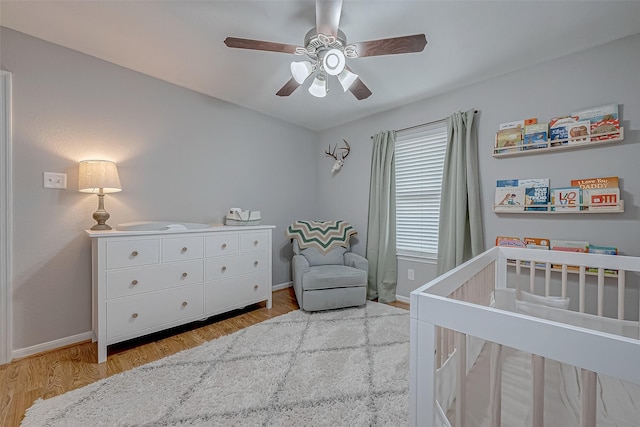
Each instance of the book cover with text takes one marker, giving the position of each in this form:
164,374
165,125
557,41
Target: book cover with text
566,199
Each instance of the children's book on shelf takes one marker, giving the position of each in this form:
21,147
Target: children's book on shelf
601,199
536,192
533,182
518,124
599,194
509,199
535,136
605,250
591,183
569,246
566,199
579,132
512,242
536,243
536,199
604,121
507,183
558,131
508,140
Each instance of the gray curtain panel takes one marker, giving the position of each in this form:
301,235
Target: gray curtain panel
460,232
381,230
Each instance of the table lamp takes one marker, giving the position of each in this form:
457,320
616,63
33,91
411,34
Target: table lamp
99,177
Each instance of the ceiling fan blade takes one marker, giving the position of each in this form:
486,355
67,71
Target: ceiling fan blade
288,88
328,16
391,46
259,45
359,90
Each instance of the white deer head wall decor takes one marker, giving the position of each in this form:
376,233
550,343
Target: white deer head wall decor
344,152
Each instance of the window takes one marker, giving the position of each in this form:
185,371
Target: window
419,162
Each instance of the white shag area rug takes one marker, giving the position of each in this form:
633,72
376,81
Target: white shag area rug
345,367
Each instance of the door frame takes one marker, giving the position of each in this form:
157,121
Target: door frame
6,291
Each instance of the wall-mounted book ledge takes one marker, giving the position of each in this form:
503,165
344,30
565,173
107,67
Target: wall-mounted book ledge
540,147
554,209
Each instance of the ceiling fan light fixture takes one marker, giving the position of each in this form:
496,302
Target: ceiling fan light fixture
301,70
333,62
346,79
319,87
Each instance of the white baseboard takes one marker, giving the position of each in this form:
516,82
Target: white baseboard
403,299
62,342
284,285
51,345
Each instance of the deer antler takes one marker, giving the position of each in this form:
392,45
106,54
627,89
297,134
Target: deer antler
347,149
332,153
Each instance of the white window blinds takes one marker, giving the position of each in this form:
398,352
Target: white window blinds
419,161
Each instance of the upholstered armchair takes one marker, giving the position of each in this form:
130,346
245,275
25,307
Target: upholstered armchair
328,276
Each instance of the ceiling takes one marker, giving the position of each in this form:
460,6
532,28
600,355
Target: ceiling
182,42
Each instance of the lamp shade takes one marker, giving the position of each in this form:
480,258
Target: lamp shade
95,176
346,79
319,87
301,70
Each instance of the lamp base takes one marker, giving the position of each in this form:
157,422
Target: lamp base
101,215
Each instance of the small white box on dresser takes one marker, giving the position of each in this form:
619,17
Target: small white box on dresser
148,281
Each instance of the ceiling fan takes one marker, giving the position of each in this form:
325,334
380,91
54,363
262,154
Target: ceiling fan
326,51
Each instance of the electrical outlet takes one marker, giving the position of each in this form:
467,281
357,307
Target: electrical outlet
411,274
55,180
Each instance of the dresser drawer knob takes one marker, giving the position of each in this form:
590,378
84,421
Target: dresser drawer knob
255,263
184,274
255,287
184,303
134,315
224,246
255,243
224,268
134,282
134,253
184,249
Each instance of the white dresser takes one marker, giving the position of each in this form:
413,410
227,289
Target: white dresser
147,281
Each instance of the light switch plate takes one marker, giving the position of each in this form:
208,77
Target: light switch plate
55,180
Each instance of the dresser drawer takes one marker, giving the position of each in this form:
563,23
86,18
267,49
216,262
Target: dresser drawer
131,253
221,245
252,242
236,292
182,248
131,315
219,268
147,279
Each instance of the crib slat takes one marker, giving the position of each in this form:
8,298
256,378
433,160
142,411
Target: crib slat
518,275
600,291
621,285
532,277
564,281
581,290
547,279
461,379
589,387
495,386
537,363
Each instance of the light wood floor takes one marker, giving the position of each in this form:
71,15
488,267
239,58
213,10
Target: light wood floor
55,372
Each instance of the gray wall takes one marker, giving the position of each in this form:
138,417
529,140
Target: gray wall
186,156
603,75
181,156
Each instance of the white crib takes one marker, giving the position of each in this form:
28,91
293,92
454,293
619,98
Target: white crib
471,327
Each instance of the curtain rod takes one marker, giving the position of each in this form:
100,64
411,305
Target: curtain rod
424,124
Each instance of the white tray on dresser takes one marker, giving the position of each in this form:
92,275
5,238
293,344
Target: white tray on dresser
148,281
